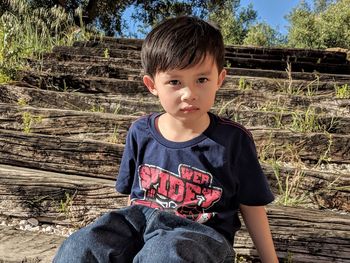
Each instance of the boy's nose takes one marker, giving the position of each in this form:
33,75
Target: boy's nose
189,94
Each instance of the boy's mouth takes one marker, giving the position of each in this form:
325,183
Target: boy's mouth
189,109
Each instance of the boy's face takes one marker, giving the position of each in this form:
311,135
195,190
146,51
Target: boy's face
187,94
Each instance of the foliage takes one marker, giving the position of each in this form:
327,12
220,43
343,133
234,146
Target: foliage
342,92
26,33
233,21
262,34
106,14
327,24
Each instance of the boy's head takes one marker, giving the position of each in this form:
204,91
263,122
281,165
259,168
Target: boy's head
180,43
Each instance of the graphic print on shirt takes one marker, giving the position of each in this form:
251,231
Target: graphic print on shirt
188,193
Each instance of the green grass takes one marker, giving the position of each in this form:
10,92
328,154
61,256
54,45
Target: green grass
287,184
342,92
29,33
28,120
243,84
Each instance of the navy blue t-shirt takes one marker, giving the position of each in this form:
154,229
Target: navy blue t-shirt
203,179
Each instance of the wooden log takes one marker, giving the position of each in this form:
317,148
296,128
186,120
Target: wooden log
309,187
77,83
284,75
98,52
303,235
105,70
25,246
123,45
306,146
66,123
74,123
113,40
283,86
249,98
287,52
77,101
227,103
101,160
283,53
286,58
125,62
108,67
53,153
312,81
118,69
269,64
56,198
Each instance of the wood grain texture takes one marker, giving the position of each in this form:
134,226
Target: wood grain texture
301,234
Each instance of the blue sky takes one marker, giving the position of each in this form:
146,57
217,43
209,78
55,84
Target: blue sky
273,11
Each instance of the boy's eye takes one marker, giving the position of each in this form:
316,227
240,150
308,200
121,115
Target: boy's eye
202,80
174,82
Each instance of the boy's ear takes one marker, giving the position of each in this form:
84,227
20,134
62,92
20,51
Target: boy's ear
221,78
149,82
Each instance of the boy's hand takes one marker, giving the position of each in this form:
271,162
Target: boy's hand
256,221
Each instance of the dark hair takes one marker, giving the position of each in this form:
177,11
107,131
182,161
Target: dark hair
181,42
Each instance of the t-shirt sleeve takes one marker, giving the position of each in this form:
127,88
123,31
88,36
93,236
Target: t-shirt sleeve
128,163
254,189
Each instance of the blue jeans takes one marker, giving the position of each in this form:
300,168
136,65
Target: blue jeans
143,234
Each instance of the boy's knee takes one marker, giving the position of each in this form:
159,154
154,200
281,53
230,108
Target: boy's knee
75,249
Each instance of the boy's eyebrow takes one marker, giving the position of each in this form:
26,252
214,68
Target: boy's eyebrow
205,73
179,75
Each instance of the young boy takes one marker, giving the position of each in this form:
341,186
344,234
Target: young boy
188,172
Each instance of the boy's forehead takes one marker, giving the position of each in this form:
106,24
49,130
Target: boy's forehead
205,66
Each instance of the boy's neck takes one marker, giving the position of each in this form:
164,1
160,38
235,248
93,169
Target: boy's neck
178,131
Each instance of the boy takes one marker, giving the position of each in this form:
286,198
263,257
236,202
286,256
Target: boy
187,171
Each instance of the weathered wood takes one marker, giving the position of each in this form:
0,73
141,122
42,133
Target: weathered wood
282,53
127,45
286,120
33,193
286,58
284,86
25,246
101,160
66,123
113,40
70,123
125,62
101,68
302,234
118,69
56,198
287,52
296,66
77,101
248,98
309,187
284,75
98,52
77,83
53,153
106,70
79,195
306,146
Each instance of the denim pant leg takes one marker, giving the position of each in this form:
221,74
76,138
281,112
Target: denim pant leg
172,239
114,237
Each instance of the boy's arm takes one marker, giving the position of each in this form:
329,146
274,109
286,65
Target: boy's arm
256,221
